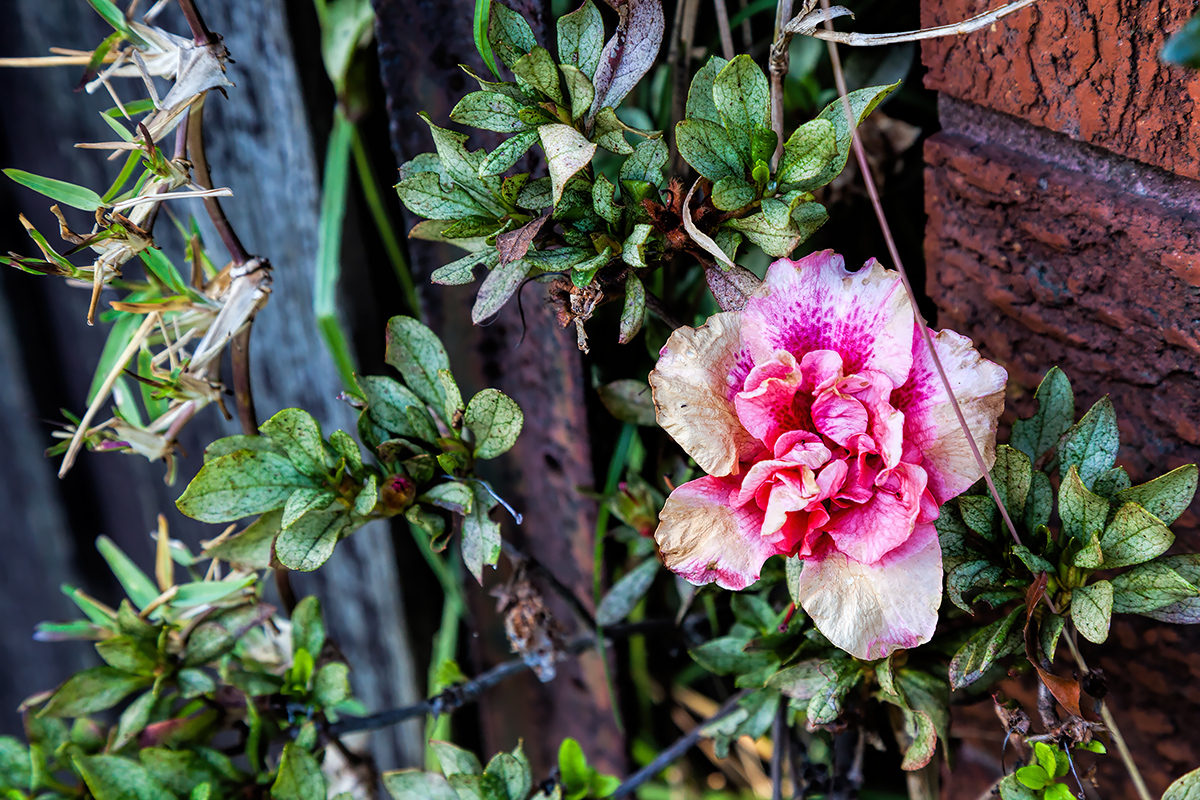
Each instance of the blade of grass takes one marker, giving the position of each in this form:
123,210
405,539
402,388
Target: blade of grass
131,164
383,224
610,486
329,246
483,10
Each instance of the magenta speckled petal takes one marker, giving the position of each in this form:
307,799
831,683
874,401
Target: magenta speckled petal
704,539
872,610
815,304
930,425
868,531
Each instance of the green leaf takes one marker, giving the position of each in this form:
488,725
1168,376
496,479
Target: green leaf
708,149
862,103
1110,483
496,162
807,151
1187,787
581,38
572,764
115,778
727,655
67,193
231,444
1002,638
1149,587
646,163
700,104
299,777
1133,537
969,578
1034,777
241,484
133,719
1039,503
495,420
779,241
537,68
481,535
1167,496
497,288
347,449
826,705
1090,556
629,401
394,408
1013,789
1056,412
1083,513
252,547
626,593
452,496
634,311
732,193
462,167
128,655
412,784
1013,475
603,200
489,111
194,683
368,496
1183,48
455,760
512,772
509,33
310,540
567,152
162,268
579,89
91,690
332,684
417,354
1048,632
742,96
424,195
308,628
15,765
220,633
609,132
299,436
1091,610
141,590
1091,445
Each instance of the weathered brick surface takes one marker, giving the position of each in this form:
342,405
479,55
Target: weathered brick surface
1046,266
1043,262
1088,69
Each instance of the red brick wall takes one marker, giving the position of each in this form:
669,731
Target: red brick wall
1064,228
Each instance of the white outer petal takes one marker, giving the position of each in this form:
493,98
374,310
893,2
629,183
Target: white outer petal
871,610
692,394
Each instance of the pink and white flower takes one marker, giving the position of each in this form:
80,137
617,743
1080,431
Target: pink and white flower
826,433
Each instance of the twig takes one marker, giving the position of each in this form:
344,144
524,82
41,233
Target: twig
456,697
779,737
806,27
243,392
922,326
201,35
723,26
778,67
1110,722
659,309
681,746
211,204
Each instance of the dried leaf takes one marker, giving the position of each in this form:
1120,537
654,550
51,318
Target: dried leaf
629,54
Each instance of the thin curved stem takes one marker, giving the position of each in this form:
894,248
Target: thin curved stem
803,27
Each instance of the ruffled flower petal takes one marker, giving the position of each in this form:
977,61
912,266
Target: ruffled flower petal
815,304
702,538
871,610
930,425
694,390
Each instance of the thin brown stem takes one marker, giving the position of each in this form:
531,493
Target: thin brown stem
876,39
779,736
922,326
212,205
243,393
201,35
1110,722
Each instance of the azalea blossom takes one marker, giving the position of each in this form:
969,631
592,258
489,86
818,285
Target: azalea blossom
826,433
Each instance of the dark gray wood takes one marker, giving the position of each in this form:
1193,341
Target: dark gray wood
260,144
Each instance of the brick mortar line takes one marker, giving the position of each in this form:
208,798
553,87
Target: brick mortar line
1127,175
